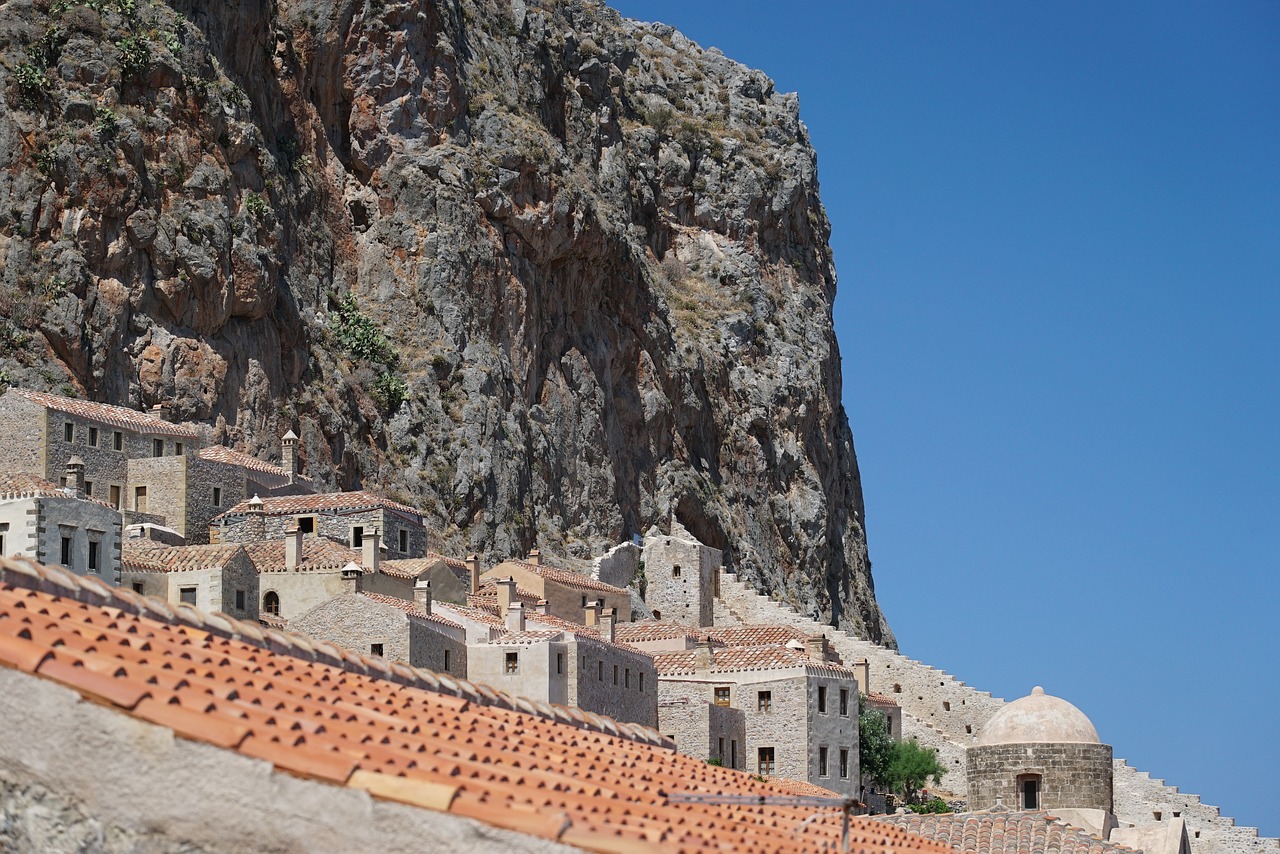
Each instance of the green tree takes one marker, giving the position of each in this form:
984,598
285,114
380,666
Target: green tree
875,744
912,766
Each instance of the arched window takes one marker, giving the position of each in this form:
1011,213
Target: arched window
271,603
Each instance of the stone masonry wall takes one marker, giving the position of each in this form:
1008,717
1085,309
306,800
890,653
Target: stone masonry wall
82,522
356,622
680,577
616,681
336,526
165,482
22,429
428,643
703,729
202,477
1072,776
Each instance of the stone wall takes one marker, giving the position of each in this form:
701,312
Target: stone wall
202,478
535,673
83,522
335,525
680,579
165,482
438,647
23,429
357,622
302,590
619,566
614,681
1072,776
704,730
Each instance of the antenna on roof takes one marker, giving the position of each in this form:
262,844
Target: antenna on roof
845,805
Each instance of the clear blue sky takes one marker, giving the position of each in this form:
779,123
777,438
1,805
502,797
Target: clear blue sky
1057,230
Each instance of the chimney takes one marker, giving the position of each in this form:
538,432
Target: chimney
371,549
506,593
292,546
422,594
702,654
591,613
163,411
75,476
352,577
255,520
543,607
606,624
535,558
817,647
473,573
862,668
289,455
515,617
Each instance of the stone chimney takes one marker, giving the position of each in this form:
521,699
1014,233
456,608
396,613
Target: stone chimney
289,455
292,546
255,519
75,476
543,607
163,411
606,624
703,657
535,558
506,593
591,614
862,669
422,594
817,647
352,577
473,573
515,616
371,549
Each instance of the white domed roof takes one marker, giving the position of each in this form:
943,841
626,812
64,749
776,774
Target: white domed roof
1039,718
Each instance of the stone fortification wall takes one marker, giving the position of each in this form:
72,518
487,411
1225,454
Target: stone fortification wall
618,566
1072,776
680,578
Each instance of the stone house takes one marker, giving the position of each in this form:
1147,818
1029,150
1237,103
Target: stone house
703,729
296,572
343,517
682,577
800,710
447,576
208,577
567,593
59,525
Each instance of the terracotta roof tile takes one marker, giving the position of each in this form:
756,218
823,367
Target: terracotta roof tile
754,635
318,553
284,505
645,631
20,485
105,413
413,609
881,699
148,556
740,658
567,578
1001,830
422,738
223,454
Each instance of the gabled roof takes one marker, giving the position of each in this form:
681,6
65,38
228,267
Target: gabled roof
331,502
223,454
412,567
149,556
1001,830
413,609
105,413
318,553
487,596
742,658
20,485
563,576
424,739
754,635
646,631
881,699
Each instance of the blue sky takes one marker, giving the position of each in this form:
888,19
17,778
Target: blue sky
1057,231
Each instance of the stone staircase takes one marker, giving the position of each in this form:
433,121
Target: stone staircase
943,712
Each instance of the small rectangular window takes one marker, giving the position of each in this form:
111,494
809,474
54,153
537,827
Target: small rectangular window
157,447
722,695
117,440
559,662
137,587
764,701
187,595
733,753
764,761
822,762
642,680
822,699
375,649
68,432
306,524
93,437
140,499
404,541
615,674
357,536
844,763
93,556
446,661
675,571
844,702
512,665
599,671
217,496
88,489
115,496
66,552
177,449
239,600
626,678
720,750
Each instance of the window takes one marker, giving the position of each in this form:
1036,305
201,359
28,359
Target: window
844,702
722,695
375,649
897,689
93,437
404,541
559,662
66,552
114,494
187,595
2,542
1029,785
764,761
642,681
93,556
88,489
584,601
626,678
733,753
446,661
306,524
615,674
675,571
117,440
137,587
140,499
844,763
271,602
357,536
68,432
512,664
822,762
764,701
720,750
822,699
157,447
946,707
177,449
217,496
600,671
240,596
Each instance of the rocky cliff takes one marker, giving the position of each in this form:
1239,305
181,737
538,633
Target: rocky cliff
547,273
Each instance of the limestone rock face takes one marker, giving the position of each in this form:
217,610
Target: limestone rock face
594,251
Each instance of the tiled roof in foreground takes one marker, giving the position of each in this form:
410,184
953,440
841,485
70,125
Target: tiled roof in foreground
401,734
1001,830
105,413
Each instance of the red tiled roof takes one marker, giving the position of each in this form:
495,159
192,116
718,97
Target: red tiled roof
284,505
881,699
528,636
645,631
413,609
105,413
565,577
223,454
314,710
451,562
21,485
317,553
754,635
1001,830
143,556
487,596
474,615
272,621
738,658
